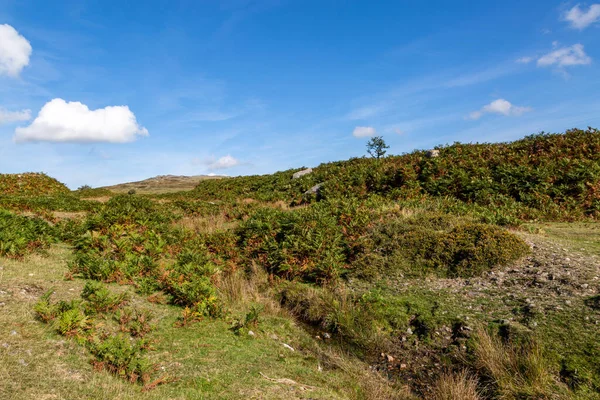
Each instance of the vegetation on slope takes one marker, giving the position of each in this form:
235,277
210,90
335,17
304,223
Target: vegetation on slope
30,184
381,259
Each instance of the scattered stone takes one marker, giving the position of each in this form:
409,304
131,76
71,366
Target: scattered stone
389,358
300,174
250,333
13,333
287,346
409,331
315,189
326,335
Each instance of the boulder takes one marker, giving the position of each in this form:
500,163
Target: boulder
433,153
300,174
315,189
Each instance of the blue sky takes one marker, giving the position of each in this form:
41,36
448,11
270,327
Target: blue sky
100,92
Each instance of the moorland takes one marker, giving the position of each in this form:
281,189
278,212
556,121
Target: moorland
472,272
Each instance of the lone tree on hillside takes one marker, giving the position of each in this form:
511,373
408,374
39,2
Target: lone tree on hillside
376,147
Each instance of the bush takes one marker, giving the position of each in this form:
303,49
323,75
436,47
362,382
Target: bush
436,244
100,299
189,283
22,235
123,357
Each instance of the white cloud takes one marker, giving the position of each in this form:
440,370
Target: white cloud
500,106
223,163
6,117
525,60
363,131
61,121
14,51
582,19
565,57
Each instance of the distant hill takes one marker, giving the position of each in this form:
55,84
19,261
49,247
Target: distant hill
161,184
30,183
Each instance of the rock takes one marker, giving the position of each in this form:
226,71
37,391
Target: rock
300,174
327,335
250,333
409,331
315,189
287,346
433,153
389,358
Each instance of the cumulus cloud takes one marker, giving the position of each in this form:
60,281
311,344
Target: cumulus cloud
500,106
222,163
580,19
6,117
565,57
61,121
364,131
15,51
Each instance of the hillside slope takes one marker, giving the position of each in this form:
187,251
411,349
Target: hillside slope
409,277
30,184
161,184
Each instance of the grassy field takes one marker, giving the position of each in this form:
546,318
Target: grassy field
206,360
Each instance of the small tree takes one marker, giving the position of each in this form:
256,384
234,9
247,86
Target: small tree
376,147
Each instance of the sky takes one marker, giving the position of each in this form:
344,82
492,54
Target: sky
102,92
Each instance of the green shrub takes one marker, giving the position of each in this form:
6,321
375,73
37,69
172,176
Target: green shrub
445,246
133,321
251,319
73,322
44,309
100,299
189,283
21,235
123,357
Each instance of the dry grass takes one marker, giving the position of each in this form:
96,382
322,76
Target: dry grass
514,370
458,386
206,224
161,184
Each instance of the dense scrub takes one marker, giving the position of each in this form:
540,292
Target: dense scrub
544,176
30,184
20,235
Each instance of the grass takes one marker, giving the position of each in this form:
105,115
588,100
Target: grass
580,236
205,360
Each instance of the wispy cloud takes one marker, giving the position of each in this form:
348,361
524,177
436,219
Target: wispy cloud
364,131
6,116
525,60
580,19
500,106
565,57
